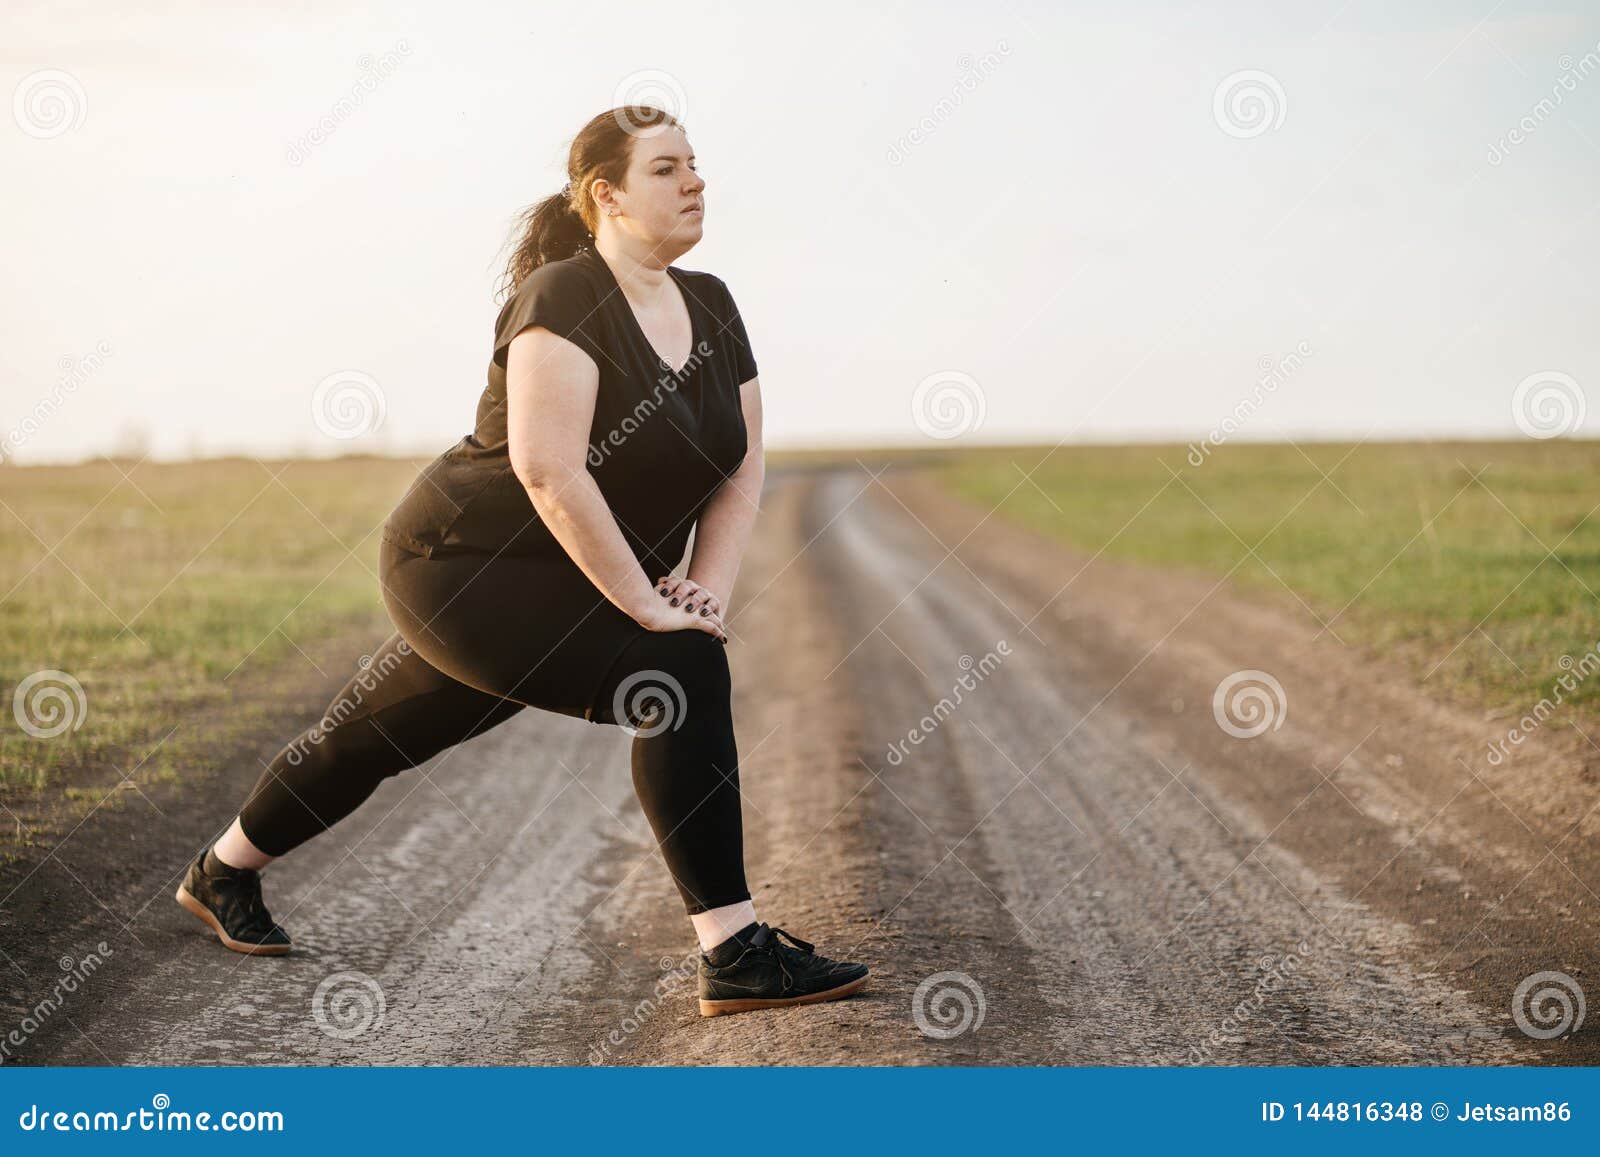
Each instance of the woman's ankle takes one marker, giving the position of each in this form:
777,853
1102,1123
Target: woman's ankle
234,850
714,927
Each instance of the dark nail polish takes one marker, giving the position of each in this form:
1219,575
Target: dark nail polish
705,610
674,602
662,591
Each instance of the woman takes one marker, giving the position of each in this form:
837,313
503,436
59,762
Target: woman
530,564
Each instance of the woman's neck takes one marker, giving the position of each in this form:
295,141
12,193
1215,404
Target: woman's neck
641,275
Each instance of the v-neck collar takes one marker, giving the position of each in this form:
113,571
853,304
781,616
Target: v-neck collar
599,260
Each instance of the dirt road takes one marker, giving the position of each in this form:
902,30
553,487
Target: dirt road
1067,861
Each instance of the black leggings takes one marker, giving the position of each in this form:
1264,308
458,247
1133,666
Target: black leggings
671,689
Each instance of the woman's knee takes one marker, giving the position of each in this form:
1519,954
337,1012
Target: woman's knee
683,672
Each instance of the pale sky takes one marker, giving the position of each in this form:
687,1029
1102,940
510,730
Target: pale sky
1046,205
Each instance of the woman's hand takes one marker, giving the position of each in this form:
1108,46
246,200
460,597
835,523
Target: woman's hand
688,594
661,615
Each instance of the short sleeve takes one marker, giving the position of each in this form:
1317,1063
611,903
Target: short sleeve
733,332
561,298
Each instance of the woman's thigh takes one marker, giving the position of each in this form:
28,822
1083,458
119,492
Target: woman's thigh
525,629
415,709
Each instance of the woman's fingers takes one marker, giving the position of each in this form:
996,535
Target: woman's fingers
679,592
712,620
711,624
669,587
702,601
680,617
688,594
667,618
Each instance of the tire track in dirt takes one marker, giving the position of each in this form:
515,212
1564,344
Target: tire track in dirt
1353,827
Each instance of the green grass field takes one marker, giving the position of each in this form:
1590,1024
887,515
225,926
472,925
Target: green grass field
1478,563
157,589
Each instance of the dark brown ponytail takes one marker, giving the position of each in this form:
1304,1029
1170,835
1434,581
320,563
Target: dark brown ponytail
563,223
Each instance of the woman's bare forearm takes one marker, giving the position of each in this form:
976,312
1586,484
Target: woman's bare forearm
572,507
723,530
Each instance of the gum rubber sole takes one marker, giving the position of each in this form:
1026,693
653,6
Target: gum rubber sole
750,1004
204,914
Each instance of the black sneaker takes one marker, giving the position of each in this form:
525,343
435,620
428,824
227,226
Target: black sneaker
230,905
770,974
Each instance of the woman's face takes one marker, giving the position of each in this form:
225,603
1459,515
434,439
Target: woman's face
662,202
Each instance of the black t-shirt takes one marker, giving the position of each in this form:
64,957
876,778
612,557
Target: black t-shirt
660,444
